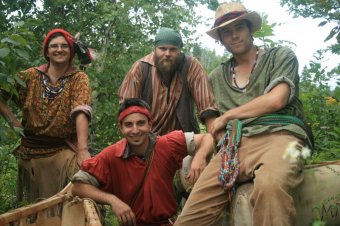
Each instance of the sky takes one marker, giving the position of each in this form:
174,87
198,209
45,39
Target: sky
304,32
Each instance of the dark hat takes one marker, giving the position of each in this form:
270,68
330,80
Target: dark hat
227,13
168,36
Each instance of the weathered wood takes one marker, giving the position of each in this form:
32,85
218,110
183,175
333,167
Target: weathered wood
91,213
59,210
33,209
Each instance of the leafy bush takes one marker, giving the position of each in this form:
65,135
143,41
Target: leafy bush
8,175
322,108
14,56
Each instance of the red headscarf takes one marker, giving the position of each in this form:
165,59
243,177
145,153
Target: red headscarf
69,38
134,109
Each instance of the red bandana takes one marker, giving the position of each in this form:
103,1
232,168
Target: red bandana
134,109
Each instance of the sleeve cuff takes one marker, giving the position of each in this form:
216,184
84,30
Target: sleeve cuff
86,109
86,178
208,113
278,80
189,139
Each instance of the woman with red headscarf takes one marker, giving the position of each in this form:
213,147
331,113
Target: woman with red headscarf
56,110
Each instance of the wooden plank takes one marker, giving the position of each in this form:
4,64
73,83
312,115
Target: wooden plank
92,218
20,214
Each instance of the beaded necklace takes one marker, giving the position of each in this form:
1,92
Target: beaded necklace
49,91
252,69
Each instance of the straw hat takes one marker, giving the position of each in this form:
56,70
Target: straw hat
230,12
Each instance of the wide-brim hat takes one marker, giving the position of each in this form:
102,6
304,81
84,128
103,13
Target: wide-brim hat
228,13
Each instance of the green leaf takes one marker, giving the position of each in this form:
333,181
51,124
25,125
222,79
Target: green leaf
20,81
331,34
335,135
9,40
323,23
3,81
15,93
4,52
10,80
18,39
6,87
19,130
29,47
22,53
3,76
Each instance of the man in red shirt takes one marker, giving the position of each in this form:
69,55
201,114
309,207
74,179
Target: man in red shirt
134,176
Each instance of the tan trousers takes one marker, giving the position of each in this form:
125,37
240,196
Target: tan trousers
274,178
42,178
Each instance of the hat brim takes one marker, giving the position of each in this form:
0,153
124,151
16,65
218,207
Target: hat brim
254,18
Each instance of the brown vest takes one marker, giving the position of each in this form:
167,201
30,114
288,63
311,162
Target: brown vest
185,108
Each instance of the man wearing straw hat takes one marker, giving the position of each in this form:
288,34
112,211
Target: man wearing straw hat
256,91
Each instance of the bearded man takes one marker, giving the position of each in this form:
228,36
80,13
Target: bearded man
172,84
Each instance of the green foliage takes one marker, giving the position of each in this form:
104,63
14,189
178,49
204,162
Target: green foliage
122,32
208,58
319,223
109,218
15,53
267,32
325,9
8,169
321,104
328,10
322,107
126,33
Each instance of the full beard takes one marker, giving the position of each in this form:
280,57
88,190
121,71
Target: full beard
167,67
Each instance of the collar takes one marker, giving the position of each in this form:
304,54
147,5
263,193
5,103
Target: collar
44,68
149,59
129,154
